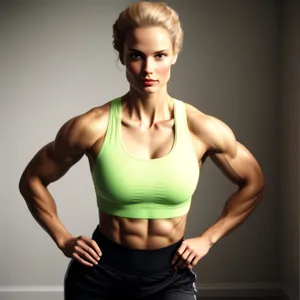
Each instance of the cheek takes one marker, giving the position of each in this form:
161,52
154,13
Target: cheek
163,69
133,69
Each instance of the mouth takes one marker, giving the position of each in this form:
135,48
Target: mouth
149,81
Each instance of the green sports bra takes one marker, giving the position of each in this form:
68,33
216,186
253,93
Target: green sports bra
157,188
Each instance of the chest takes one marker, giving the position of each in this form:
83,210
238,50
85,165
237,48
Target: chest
144,142
156,142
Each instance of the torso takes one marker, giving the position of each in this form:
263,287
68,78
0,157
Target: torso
145,144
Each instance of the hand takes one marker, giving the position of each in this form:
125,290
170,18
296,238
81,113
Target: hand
83,249
190,252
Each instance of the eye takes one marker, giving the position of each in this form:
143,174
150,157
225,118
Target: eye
160,56
135,56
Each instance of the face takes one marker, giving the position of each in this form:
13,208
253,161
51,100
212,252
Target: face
148,54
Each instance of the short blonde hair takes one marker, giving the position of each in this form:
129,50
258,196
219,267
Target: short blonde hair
145,14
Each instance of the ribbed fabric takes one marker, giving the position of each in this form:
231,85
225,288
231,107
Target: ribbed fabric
131,187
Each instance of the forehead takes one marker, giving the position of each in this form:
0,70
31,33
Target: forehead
148,39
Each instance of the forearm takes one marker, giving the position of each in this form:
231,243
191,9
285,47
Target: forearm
237,208
43,208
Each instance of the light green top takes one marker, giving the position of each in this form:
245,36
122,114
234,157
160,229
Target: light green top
131,187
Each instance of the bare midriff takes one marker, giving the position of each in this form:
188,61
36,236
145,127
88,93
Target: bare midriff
141,233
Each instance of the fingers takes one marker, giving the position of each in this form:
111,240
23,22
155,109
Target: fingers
86,247
86,251
95,246
179,252
92,244
185,257
191,261
81,260
184,260
194,262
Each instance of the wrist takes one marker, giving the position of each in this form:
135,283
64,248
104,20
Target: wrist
208,239
62,241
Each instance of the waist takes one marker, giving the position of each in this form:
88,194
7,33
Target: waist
134,261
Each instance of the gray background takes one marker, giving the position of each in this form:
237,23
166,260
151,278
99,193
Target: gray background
240,63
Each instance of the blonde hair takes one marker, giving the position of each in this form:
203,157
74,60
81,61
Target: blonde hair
145,14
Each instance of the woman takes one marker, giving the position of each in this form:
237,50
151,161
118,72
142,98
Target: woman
145,151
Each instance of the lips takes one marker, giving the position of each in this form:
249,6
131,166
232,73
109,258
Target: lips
149,80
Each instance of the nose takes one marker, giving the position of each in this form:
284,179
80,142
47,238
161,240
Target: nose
149,65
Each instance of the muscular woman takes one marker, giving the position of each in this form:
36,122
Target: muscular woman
145,150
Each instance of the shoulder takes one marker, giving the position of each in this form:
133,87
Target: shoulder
81,131
213,132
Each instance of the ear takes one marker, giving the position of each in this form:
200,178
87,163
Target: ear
174,59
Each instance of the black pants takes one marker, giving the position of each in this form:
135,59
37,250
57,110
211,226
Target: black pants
124,273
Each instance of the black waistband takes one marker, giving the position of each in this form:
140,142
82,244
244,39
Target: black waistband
135,261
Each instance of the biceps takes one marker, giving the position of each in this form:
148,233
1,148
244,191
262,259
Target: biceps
48,165
240,169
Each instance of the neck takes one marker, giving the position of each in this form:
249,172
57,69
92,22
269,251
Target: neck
148,108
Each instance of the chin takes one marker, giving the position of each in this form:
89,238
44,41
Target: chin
147,90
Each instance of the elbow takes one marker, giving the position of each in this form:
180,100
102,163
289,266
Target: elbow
27,184
24,185
261,185
254,189
260,193
258,185
259,190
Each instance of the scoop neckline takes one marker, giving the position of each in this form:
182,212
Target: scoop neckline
149,159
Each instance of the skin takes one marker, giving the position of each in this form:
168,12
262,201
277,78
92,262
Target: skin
147,132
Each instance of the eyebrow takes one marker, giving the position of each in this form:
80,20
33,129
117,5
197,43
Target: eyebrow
136,50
